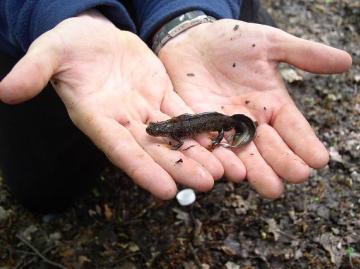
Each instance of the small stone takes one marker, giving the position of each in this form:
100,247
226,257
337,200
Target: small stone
355,176
298,254
186,197
357,78
231,265
133,247
323,212
56,236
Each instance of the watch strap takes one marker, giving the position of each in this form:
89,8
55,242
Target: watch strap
177,26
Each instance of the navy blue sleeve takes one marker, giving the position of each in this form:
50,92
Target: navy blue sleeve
22,21
152,14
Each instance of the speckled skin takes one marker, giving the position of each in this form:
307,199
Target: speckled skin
188,125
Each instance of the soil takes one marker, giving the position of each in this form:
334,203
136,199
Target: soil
314,225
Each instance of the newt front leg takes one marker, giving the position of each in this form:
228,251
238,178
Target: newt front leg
178,145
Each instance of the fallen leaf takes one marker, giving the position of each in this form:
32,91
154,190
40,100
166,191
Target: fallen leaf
331,244
290,75
231,265
108,212
273,228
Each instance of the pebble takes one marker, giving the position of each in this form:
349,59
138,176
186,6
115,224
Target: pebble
323,212
186,197
355,176
56,236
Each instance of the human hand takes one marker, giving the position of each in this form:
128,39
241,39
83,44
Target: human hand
231,67
112,85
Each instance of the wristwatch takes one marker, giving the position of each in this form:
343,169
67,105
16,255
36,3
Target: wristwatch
177,26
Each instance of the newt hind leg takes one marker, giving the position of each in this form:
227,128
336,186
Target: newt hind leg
218,139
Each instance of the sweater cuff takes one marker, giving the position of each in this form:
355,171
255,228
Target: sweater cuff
45,15
155,15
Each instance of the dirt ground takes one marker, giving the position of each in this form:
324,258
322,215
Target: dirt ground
314,225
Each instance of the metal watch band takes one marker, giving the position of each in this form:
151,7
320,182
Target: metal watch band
177,26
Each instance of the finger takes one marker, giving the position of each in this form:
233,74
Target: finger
299,136
123,150
278,155
31,74
309,55
259,174
234,168
173,105
183,169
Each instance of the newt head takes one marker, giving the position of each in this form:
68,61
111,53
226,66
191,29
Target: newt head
154,129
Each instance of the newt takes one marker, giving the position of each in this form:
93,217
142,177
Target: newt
189,125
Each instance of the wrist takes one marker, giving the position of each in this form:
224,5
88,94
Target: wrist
178,26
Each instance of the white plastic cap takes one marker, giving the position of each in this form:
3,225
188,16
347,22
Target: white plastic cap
186,197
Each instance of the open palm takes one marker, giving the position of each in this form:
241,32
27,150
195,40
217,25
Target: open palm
112,85
231,67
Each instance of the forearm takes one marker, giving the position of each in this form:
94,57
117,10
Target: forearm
152,14
21,22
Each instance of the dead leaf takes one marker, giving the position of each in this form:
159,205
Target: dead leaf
290,75
108,212
83,259
231,247
133,247
231,265
273,228
331,244
335,155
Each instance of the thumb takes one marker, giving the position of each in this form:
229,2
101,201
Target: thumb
310,56
32,73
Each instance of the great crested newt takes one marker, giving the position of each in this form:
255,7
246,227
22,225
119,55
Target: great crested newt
189,125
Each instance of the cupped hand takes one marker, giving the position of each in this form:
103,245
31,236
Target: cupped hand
112,85
231,67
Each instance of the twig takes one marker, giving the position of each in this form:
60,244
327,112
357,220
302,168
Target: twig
23,264
196,258
119,261
39,253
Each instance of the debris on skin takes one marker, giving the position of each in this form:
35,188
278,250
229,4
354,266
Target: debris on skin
253,45
190,74
247,102
179,161
265,108
126,123
236,27
189,147
234,65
